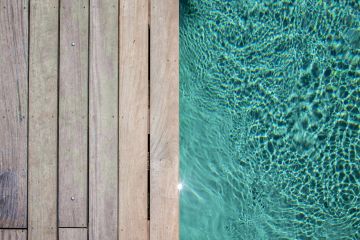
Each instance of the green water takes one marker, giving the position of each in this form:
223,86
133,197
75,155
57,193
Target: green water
270,121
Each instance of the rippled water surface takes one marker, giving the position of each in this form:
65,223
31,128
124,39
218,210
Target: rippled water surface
269,100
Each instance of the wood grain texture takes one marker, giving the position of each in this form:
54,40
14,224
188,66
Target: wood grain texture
73,113
13,112
73,233
103,113
133,120
164,120
43,108
12,234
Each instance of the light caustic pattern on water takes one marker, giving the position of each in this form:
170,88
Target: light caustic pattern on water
270,118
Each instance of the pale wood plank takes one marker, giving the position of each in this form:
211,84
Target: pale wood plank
43,100
103,113
13,112
164,120
73,113
7,234
149,12
73,234
133,120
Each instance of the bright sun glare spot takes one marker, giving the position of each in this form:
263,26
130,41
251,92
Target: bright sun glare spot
180,186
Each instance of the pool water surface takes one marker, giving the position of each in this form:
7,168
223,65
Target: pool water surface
269,119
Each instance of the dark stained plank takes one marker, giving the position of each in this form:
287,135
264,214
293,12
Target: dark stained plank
103,120
13,113
73,234
43,109
133,120
73,113
7,234
164,120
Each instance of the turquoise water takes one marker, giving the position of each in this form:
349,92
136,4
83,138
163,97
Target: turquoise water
269,101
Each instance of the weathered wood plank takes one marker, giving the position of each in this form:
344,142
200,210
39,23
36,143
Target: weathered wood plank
73,113
43,101
103,113
133,120
7,234
13,112
164,120
73,234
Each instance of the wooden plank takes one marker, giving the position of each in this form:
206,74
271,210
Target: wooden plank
43,101
149,12
13,112
133,120
7,234
73,113
164,120
73,234
103,113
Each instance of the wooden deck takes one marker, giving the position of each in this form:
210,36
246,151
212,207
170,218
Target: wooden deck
89,121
